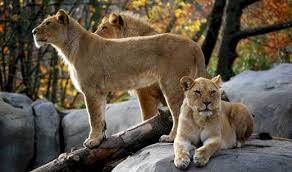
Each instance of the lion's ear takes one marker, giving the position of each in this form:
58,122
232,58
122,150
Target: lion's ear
116,19
104,19
217,80
186,83
62,17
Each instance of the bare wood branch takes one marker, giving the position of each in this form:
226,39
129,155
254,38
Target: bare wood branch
262,30
172,21
245,3
113,148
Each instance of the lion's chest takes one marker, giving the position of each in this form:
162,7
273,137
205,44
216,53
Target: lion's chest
74,78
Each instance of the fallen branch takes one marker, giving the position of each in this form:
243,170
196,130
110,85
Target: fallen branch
113,148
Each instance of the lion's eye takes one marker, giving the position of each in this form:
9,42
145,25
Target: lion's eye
103,28
212,92
197,92
48,22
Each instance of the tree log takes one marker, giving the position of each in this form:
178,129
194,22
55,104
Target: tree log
114,148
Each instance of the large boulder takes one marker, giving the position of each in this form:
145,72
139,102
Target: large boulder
17,100
268,95
47,124
255,155
17,135
119,116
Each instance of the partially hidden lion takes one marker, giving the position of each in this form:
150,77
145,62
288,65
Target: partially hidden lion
208,123
98,66
127,24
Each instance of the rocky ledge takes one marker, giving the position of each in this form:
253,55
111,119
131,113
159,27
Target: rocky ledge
255,156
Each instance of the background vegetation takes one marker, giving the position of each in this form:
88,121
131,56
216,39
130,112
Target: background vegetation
39,73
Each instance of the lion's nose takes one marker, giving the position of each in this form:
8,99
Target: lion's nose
207,103
34,31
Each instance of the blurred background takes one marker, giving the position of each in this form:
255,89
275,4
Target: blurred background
262,38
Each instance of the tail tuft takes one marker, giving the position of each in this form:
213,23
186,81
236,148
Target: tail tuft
264,136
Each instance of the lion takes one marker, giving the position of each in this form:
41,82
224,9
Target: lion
126,24
98,65
123,25
208,123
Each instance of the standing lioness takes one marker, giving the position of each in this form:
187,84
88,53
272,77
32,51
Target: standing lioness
99,65
206,119
126,24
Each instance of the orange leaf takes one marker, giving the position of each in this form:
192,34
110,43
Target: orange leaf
2,26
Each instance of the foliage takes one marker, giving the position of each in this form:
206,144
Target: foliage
39,73
260,52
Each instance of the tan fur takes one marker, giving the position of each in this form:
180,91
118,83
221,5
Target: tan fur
98,66
206,119
126,24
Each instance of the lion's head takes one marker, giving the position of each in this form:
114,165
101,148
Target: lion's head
111,26
202,95
52,30
122,25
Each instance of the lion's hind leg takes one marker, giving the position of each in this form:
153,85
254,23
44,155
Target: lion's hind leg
148,102
174,98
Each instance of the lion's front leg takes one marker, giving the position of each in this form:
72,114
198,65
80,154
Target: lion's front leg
182,149
203,154
95,105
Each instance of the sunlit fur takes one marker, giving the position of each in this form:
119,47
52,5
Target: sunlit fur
220,125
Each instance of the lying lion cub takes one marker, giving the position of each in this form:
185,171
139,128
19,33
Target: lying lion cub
98,66
205,119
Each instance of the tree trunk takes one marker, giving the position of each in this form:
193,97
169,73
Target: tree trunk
113,148
232,35
214,23
227,53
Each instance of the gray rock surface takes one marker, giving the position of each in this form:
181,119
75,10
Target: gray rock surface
255,156
268,95
17,136
119,116
47,123
17,100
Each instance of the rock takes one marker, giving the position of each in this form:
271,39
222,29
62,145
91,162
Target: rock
17,135
16,100
268,95
119,116
47,124
75,129
255,155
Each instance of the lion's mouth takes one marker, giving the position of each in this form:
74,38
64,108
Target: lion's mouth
41,39
205,110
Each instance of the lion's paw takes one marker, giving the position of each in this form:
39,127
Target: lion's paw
200,161
182,163
92,142
166,138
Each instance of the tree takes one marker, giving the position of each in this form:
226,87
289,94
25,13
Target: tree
232,34
214,23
